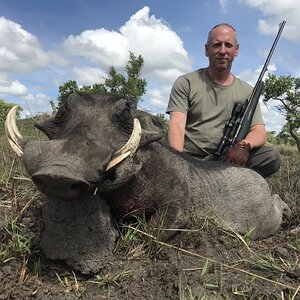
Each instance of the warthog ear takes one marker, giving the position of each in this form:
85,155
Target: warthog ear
149,136
50,125
152,128
46,126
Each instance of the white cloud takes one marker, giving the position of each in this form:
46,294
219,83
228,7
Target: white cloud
276,11
159,97
87,56
36,104
99,46
159,45
224,4
252,76
89,76
14,88
19,50
274,120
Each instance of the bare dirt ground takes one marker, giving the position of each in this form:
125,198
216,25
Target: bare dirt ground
203,263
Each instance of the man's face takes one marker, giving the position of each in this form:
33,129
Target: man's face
222,48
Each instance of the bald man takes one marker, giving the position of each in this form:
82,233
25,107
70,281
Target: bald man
201,103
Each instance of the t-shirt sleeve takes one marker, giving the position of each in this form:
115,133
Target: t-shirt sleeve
179,96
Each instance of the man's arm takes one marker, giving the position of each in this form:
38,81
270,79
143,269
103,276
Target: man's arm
256,136
176,130
239,153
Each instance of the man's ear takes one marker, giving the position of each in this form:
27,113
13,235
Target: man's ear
206,50
237,48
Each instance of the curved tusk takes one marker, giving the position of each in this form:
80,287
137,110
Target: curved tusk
130,147
134,140
117,160
12,133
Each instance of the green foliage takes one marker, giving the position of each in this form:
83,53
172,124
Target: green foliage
115,82
135,87
65,90
95,88
131,86
284,137
5,108
271,137
286,90
17,244
164,121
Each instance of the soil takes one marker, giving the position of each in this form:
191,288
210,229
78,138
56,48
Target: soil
206,263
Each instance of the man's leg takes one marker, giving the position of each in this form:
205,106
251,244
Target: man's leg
265,160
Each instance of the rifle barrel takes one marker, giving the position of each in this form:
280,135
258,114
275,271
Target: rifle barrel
246,119
241,127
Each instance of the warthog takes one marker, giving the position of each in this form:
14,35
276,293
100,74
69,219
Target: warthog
99,145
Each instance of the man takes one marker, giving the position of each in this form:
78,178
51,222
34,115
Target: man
201,103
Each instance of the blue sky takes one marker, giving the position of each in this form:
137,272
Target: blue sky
46,43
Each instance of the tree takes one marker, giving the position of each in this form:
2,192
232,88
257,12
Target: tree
135,87
286,90
5,108
271,136
95,88
164,121
115,82
284,137
66,90
131,86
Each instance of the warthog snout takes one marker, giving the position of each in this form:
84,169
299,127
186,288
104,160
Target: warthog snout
60,182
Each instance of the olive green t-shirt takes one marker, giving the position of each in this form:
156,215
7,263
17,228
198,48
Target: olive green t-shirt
208,107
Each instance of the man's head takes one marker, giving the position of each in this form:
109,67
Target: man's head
222,47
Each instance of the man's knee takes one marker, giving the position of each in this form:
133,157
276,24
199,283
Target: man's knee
266,160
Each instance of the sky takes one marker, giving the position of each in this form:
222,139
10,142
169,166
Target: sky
44,44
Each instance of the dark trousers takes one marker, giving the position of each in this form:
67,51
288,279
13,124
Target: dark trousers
265,160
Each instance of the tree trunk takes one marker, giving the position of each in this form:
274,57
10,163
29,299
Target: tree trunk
295,137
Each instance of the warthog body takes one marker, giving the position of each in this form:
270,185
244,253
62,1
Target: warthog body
84,138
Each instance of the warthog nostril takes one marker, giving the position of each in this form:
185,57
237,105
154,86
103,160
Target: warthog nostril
79,187
60,183
39,183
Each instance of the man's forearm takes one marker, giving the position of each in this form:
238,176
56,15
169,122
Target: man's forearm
256,137
176,131
176,139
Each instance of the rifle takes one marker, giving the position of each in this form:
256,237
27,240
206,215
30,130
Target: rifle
241,117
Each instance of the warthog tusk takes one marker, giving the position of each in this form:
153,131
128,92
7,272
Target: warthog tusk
117,160
130,147
12,133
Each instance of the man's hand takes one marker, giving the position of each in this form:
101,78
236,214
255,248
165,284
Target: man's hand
238,154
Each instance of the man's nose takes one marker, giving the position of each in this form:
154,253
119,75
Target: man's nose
223,48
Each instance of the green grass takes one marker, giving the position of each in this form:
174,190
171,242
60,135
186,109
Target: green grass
266,263
26,127
10,164
109,280
15,243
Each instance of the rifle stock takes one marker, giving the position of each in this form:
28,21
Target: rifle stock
239,124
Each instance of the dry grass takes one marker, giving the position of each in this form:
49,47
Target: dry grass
271,268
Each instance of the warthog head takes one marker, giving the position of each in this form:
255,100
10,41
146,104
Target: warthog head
88,136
